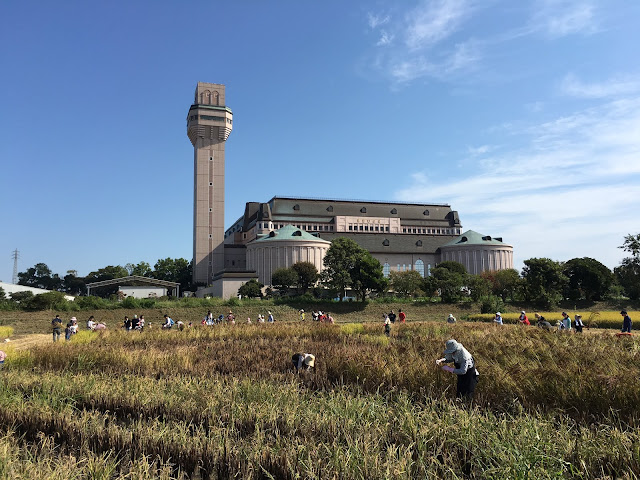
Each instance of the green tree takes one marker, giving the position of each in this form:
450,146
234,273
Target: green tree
22,298
628,273
544,281
284,278
450,279
339,262
177,270
429,286
73,284
588,279
504,283
406,284
479,287
40,276
367,276
251,289
307,275
348,265
47,301
142,269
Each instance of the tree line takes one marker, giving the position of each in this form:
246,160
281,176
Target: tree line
350,268
40,275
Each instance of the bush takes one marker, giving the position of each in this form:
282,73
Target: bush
49,301
93,303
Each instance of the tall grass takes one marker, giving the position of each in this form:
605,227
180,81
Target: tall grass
223,402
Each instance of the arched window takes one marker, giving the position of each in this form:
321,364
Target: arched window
386,268
419,267
215,98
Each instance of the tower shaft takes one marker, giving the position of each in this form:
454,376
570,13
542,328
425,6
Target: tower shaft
209,124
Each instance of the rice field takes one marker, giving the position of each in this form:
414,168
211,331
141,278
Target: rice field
224,402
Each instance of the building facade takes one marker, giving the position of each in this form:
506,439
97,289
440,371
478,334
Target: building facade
402,236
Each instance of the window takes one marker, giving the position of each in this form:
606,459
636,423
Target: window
394,211
350,227
386,269
398,268
386,229
426,213
363,210
419,267
330,208
210,184
385,242
361,228
212,118
296,207
419,243
404,267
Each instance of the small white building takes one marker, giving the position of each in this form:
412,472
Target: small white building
10,288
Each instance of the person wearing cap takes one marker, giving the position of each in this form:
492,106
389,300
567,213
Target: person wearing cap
303,361
523,318
542,323
70,330
270,318
578,323
498,318
451,318
566,321
301,312
465,368
626,322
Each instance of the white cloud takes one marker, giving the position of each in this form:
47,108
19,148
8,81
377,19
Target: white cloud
434,20
558,18
416,44
615,86
376,21
385,38
571,189
481,150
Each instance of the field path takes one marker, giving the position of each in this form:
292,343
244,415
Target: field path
23,342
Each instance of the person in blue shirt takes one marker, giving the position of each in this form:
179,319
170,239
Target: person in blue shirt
566,321
626,322
498,318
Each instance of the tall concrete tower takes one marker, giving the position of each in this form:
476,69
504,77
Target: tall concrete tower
209,124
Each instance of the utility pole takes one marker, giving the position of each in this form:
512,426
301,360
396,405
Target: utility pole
16,255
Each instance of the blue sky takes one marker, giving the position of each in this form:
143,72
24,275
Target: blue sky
523,116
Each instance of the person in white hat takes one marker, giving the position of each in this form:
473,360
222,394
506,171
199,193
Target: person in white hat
498,318
301,312
303,361
451,318
465,368
523,318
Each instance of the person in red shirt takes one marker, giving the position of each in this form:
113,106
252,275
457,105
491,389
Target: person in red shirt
523,318
402,316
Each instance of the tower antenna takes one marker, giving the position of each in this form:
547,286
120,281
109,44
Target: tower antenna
16,255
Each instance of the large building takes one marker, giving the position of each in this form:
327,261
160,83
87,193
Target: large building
285,230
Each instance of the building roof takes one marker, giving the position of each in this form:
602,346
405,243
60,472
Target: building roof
393,243
290,233
474,238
